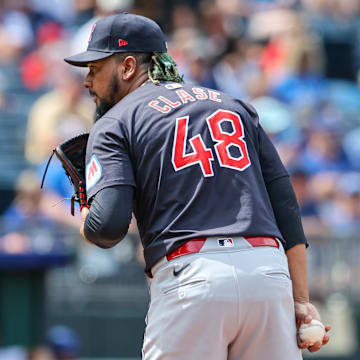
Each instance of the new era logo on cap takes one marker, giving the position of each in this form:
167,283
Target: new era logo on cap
226,242
122,42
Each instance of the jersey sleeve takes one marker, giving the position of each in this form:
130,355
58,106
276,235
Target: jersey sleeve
108,160
271,164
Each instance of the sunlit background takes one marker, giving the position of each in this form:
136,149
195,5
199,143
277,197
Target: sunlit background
296,61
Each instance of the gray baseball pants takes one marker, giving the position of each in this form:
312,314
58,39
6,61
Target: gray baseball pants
225,303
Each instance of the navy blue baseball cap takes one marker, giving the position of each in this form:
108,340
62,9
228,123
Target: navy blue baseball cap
122,32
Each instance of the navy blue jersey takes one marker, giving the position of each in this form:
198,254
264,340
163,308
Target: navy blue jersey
198,159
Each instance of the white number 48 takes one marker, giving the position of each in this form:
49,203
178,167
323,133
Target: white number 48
224,140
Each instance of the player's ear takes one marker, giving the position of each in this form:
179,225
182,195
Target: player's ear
128,67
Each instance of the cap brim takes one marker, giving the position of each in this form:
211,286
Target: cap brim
86,57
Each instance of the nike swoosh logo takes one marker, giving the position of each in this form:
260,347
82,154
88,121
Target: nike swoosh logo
177,272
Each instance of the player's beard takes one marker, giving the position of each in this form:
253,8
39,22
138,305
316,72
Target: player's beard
106,105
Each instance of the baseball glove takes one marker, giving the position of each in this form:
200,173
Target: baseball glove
71,154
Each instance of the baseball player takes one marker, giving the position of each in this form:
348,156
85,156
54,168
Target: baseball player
223,241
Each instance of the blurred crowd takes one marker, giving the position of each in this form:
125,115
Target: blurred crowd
296,61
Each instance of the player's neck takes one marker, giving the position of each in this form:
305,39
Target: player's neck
138,81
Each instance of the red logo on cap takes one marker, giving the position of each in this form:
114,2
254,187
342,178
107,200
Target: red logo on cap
122,42
91,33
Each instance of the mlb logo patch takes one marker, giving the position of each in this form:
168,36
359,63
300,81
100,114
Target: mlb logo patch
93,172
226,242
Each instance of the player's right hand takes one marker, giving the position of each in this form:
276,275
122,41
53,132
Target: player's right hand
305,312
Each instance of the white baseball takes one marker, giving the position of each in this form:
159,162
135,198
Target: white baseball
313,332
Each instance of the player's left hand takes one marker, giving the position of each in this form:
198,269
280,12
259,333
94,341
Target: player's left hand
305,312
